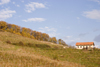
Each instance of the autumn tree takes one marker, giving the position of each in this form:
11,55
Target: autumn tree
13,28
3,25
54,40
29,33
50,39
60,41
45,37
33,33
38,35
24,32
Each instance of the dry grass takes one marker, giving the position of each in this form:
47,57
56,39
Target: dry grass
7,36
43,54
18,56
25,57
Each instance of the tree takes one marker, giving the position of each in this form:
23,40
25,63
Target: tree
54,40
50,39
33,33
38,35
3,25
28,33
24,32
45,37
60,41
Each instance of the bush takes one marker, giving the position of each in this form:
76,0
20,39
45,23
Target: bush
8,42
42,46
21,43
30,45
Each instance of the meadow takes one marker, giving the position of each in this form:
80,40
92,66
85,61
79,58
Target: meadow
19,51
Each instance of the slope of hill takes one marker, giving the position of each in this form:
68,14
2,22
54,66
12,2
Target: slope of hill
19,51
27,32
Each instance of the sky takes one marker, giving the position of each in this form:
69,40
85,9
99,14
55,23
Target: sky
70,20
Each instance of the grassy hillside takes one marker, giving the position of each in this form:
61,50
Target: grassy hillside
19,51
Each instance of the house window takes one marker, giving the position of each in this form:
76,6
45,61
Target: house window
84,46
77,46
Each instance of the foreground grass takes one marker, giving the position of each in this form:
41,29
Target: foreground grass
39,54
18,56
12,60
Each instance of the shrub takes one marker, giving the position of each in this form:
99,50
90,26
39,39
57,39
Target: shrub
8,42
30,45
42,46
21,43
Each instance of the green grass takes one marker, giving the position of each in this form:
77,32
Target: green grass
22,50
13,60
87,58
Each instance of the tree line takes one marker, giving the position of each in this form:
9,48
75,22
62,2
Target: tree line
26,32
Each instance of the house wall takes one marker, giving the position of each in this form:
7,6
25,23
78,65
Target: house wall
81,46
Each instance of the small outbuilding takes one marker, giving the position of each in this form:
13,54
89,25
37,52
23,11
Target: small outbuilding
86,45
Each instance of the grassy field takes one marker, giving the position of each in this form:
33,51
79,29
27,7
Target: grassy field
19,51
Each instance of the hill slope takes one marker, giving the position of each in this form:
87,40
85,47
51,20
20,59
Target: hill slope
19,51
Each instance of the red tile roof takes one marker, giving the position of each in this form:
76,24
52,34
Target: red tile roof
84,43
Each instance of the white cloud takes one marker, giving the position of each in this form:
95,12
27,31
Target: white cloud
6,13
98,1
23,1
13,2
34,20
67,37
4,2
94,14
53,34
68,27
17,5
33,6
47,29
70,40
78,18
51,31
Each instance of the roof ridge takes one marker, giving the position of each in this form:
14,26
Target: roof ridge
85,43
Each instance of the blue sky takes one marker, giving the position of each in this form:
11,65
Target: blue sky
71,20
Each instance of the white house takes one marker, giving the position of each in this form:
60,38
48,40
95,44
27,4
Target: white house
87,45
